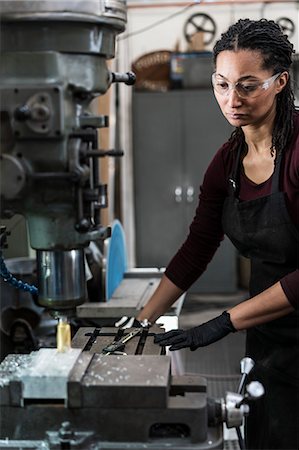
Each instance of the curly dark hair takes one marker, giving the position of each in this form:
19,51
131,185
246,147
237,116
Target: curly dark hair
267,37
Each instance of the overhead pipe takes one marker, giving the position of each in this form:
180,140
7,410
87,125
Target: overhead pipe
204,3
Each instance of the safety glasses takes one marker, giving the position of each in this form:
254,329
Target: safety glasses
244,89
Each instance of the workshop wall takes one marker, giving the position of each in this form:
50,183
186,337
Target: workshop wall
162,28
170,31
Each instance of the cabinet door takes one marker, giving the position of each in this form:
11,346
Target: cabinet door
205,131
175,136
157,156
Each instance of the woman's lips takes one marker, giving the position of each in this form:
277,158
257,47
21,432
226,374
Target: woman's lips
236,116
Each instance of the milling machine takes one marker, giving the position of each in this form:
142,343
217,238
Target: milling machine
53,64
114,388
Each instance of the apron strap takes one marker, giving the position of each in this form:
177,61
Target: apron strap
275,177
234,177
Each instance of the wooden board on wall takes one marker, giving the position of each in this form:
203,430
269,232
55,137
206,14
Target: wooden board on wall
101,106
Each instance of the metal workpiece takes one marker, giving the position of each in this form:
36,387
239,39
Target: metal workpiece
46,376
40,375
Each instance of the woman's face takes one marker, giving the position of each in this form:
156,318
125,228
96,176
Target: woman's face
245,67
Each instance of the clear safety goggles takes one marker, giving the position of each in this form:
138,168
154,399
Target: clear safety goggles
244,89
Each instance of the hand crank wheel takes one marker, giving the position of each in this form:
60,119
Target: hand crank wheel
287,26
200,22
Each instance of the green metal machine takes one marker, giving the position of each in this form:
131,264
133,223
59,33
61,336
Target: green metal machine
53,64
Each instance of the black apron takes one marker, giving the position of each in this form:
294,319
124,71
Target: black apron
262,230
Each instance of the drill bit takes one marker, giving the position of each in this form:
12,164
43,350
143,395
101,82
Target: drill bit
63,335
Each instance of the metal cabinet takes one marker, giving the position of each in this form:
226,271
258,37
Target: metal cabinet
175,135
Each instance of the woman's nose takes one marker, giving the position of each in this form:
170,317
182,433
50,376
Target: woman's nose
233,97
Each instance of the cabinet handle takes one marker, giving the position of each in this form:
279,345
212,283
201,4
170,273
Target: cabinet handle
190,194
178,194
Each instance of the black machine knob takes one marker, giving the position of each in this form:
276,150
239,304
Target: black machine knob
128,78
22,113
82,226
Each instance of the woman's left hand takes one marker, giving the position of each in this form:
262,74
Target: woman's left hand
200,336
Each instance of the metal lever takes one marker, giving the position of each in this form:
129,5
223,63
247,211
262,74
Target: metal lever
234,407
246,367
128,78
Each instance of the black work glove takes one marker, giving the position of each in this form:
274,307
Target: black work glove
200,336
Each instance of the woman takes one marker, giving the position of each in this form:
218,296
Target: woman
250,193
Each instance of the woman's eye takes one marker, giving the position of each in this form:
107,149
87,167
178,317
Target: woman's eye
248,87
222,85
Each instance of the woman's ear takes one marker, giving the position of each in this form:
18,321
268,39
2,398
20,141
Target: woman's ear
282,81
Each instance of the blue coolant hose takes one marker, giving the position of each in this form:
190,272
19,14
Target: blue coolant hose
10,279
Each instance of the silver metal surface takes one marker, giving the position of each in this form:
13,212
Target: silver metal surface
233,415
66,9
246,365
128,299
255,390
47,375
41,375
61,278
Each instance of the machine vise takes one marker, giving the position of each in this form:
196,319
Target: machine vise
105,401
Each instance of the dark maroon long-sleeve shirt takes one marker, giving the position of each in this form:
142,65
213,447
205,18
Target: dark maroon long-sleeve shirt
206,231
